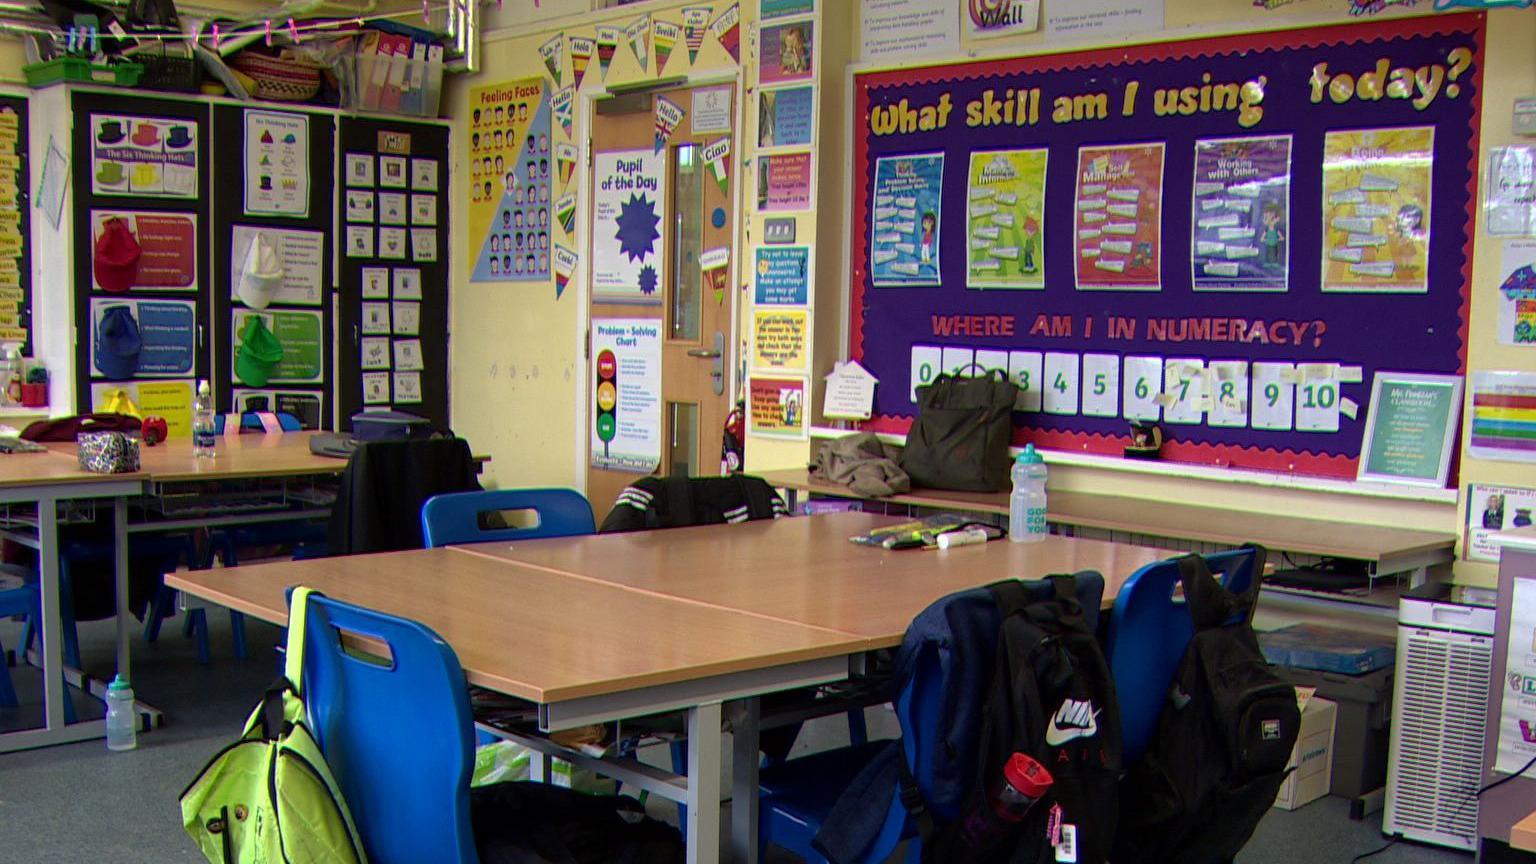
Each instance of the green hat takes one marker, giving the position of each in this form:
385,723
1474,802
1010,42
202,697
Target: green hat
259,354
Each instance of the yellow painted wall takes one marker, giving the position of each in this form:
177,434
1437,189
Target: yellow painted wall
515,355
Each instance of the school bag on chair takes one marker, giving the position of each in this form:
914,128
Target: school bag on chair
982,674
269,797
1223,739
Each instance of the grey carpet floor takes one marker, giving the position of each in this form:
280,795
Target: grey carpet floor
82,803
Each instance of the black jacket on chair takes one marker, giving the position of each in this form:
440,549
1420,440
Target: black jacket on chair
378,507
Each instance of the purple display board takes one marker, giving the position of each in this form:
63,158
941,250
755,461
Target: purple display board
1241,232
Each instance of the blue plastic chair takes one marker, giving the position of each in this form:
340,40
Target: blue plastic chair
454,518
1148,632
397,733
249,422
23,598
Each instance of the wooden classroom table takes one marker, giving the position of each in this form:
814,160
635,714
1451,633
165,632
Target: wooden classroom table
601,628
45,479
1387,550
805,571
240,457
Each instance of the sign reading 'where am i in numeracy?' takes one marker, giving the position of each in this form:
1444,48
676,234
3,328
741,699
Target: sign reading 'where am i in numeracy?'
1411,427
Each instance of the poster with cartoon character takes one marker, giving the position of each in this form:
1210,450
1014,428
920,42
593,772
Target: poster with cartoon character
904,241
1241,214
1005,219
1119,217
1376,190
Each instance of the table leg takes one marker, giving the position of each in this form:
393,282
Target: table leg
53,629
704,741
744,793
120,577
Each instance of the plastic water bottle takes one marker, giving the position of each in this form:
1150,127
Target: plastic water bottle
1026,507
122,723
1024,782
203,434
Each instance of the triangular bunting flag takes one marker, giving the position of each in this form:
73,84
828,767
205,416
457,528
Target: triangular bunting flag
717,156
565,163
713,264
565,265
639,35
565,213
553,53
668,115
607,42
560,103
666,35
695,23
727,30
581,55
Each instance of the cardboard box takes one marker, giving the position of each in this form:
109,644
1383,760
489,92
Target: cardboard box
1312,758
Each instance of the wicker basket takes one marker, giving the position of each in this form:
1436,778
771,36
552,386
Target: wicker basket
280,79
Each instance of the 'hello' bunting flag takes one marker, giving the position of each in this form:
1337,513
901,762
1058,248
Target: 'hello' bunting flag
695,23
668,115
639,35
607,42
561,103
717,155
727,30
581,55
565,265
553,53
665,35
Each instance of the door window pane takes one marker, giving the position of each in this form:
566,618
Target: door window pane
683,452
687,242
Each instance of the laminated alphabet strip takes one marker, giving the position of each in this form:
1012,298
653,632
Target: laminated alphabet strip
1084,177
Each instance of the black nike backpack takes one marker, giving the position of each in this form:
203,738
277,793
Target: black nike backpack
1050,696
1223,740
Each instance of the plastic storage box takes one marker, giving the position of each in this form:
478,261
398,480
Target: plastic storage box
1364,725
63,69
1310,646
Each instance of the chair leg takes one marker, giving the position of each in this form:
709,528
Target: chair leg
858,732
160,608
189,624
67,618
680,767
237,633
7,688
197,623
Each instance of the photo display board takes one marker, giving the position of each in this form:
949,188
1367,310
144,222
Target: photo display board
1227,236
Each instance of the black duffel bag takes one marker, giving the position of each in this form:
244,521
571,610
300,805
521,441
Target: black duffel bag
961,435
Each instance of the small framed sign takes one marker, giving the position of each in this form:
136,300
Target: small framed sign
1410,428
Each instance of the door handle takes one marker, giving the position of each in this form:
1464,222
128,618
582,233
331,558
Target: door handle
703,353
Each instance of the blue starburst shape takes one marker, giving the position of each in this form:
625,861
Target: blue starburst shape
637,232
647,280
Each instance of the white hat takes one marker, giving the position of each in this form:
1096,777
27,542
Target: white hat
262,274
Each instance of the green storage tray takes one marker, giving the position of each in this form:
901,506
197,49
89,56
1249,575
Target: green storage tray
78,69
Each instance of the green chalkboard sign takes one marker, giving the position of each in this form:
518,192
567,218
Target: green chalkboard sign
1411,428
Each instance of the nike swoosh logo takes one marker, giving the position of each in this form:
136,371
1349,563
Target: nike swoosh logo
1056,734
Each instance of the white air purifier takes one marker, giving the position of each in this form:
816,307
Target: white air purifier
1439,715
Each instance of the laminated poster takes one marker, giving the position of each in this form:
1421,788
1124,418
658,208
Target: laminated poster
1376,206
1517,717
276,164
783,276
1005,219
303,405
1517,293
783,182
167,333
511,167
781,340
299,334
167,247
1490,510
302,254
786,117
786,53
169,399
1241,214
626,394
629,200
1509,196
1118,242
1503,416
778,408
904,241
143,156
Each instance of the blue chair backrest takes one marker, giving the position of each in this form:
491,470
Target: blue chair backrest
249,422
1148,632
454,518
397,733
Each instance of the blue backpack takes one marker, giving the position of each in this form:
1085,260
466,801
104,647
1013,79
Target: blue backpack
981,674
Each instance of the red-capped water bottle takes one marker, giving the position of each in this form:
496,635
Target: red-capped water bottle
1024,782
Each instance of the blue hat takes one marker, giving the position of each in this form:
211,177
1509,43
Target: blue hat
118,344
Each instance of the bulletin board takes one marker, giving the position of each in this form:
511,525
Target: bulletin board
276,181
393,307
143,163
1228,236
15,226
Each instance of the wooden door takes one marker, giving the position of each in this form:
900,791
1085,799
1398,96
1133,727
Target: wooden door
693,310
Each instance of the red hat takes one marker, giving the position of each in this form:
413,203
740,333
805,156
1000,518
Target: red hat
116,261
